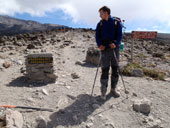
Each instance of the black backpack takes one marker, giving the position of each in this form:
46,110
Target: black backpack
116,21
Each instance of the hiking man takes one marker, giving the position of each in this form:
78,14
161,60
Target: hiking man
108,38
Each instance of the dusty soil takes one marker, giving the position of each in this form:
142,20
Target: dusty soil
71,99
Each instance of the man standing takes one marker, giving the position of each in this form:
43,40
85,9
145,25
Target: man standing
108,38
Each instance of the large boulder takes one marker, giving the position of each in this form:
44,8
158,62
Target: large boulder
93,55
142,106
11,119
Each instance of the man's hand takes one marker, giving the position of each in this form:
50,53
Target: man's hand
112,45
102,47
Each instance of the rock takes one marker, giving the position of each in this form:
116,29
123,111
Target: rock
79,63
75,118
93,55
153,92
73,46
22,69
14,119
109,125
2,119
122,65
134,94
142,106
68,87
158,54
19,62
137,72
18,43
41,122
7,64
31,46
62,102
89,125
44,91
1,62
167,79
153,123
75,76
100,115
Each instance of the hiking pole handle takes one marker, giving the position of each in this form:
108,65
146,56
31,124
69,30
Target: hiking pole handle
7,106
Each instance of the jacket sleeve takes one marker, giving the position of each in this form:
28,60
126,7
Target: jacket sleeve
97,35
120,35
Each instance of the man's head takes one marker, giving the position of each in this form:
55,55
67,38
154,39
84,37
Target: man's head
104,12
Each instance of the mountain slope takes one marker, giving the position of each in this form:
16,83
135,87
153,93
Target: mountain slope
11,26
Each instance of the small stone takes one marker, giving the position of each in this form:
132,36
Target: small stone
19,62
153,92
137,72
22,69
41,122
134,94
75,76
62,102
89,125
91,119
79,63
167,79
100,115
75,118
68,87
31,46
44,91
7,64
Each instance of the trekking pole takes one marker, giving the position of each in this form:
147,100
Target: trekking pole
96,75
125,90
22,107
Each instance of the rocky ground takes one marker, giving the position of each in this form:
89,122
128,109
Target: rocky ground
70,95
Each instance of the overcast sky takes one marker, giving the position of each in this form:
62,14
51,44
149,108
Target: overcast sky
138,14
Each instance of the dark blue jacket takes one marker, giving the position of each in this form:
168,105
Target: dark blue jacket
108,32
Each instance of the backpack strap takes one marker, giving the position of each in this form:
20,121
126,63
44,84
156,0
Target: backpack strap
100,30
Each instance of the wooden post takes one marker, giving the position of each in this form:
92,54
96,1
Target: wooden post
132,47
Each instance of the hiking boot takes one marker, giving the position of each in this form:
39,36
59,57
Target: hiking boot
115,93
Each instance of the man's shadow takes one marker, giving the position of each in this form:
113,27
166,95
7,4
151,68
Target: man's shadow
75,113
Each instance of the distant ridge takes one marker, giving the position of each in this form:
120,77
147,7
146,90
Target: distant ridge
12,26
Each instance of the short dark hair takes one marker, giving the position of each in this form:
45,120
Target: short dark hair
105,9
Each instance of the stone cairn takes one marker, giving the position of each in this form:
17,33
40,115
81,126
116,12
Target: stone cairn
93,55
39,68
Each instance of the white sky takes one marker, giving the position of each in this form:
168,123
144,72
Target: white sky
87,10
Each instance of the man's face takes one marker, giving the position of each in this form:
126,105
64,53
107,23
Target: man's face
103,15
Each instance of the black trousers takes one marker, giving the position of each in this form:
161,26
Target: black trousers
108,61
